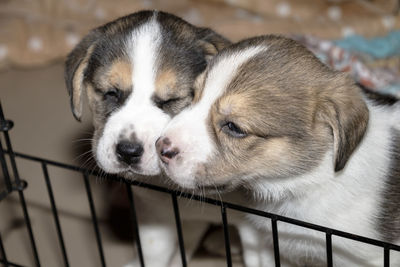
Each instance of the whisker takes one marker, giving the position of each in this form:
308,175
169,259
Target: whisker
87,162
82,140
216,189
77,158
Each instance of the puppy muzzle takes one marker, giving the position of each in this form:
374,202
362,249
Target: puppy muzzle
165,150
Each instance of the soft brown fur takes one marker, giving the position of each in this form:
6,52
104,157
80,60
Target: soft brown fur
292,108
99,62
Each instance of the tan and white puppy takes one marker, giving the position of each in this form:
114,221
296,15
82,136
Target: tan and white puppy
270,117
138,72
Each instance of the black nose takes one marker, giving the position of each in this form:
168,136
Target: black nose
129,152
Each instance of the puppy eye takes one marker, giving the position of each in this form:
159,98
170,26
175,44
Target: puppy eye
162,103
233,130
112,95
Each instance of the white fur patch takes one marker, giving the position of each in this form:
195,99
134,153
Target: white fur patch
138,115
188,130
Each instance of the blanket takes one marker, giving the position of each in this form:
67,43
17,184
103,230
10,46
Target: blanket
38,32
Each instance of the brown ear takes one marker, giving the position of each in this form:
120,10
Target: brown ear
211,43
75,67
344,110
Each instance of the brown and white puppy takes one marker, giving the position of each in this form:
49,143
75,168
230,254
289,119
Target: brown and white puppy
138,72
270,117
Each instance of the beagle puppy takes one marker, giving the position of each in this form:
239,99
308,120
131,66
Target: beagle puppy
138,72
303,140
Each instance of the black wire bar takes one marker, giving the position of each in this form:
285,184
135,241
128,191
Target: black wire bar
226,236
20,186
6,175
275,240
387,246
329,258
179,229
386,257
219,203
135,224
55,214
3,252
94,219
9,263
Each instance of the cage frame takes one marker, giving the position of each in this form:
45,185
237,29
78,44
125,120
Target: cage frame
13,183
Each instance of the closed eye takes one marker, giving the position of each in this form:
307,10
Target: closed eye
233,130
161,103
110,95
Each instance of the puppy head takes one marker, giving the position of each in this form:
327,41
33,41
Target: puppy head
137,72
267,108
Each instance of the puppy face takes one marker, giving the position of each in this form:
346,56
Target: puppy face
266,109
138,72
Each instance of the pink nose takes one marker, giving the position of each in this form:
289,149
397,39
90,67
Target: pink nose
166,151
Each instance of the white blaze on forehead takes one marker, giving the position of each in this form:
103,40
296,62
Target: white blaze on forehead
188,130
222,73
145,45
138,116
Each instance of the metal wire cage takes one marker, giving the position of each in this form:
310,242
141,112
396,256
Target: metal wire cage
14,184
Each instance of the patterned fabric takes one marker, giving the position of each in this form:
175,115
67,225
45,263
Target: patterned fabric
38,32
376,48
382,78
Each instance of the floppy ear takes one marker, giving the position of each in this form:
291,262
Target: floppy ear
75,67
344,110
211,43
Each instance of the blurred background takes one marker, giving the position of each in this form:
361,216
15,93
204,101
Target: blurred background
38,32
361,37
